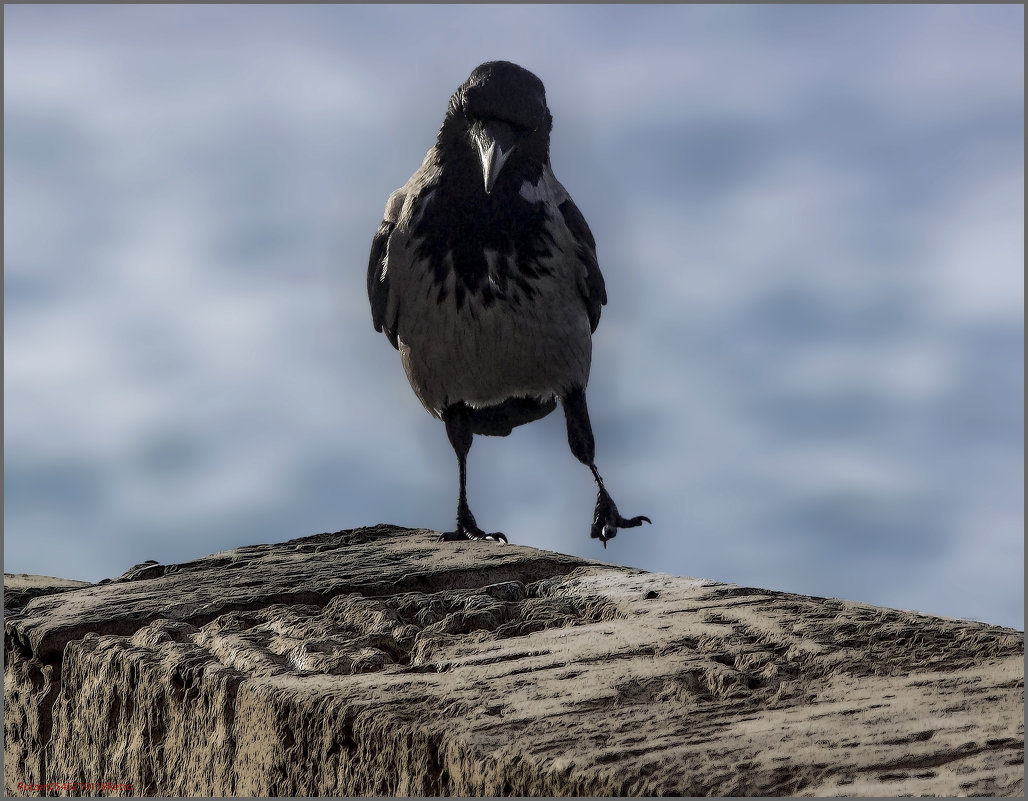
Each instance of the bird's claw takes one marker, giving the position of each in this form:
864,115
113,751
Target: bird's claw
464,532
607,520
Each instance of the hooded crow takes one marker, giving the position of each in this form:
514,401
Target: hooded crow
483,274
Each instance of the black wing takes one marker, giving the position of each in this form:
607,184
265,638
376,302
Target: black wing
594,291
378,281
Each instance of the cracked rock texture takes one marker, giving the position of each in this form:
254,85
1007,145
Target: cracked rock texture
20,588
380,662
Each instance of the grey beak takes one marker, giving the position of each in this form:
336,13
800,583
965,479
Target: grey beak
495,141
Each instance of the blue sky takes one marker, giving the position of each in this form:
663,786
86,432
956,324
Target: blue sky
809,375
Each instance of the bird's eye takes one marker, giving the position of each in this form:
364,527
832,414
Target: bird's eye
519,128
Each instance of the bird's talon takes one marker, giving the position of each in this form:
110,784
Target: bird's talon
607,520
472,532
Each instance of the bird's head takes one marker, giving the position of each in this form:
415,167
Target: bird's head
499,115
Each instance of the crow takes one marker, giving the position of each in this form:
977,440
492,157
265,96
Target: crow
483,274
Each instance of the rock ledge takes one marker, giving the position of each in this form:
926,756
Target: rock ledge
377,661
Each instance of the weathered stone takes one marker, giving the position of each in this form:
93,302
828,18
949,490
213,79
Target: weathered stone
20,588
381,662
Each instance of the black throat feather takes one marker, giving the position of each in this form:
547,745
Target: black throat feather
462,222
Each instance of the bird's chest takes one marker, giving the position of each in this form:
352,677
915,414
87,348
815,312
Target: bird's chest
483,250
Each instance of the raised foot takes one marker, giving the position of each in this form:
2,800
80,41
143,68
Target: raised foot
607,520
464,533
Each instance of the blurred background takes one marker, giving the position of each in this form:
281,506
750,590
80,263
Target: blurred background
810,220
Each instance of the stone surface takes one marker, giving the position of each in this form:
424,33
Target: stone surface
380,662
20,588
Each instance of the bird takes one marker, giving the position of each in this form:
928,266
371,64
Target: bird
483,275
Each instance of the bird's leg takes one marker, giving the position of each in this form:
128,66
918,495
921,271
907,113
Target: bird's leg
460,434
606,518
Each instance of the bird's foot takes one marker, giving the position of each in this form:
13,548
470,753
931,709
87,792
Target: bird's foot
607,520
469,530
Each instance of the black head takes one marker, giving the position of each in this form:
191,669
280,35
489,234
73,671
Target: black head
498,116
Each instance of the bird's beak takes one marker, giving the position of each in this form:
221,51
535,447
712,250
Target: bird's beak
495,141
